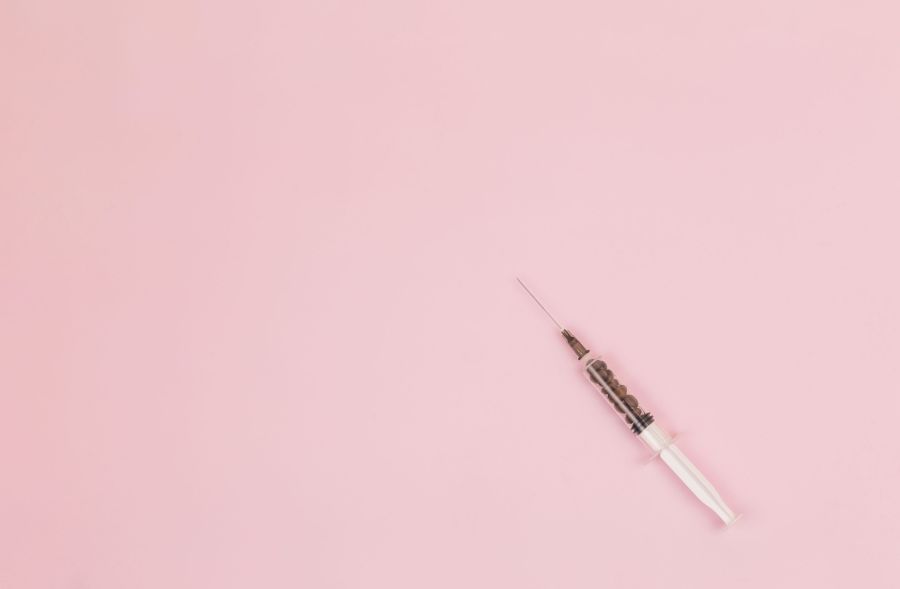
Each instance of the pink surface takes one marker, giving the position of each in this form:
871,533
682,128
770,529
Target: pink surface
260,327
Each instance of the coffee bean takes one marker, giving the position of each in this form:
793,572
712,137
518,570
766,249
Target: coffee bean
617,395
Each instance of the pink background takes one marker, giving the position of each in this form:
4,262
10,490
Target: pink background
259,322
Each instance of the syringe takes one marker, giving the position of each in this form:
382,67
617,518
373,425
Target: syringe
642,423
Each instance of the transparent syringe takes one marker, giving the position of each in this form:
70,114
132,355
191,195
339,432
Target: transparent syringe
642,423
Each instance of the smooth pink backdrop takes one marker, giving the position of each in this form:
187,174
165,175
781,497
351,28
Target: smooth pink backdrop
259,323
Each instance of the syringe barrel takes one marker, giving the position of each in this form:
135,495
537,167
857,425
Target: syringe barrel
616,394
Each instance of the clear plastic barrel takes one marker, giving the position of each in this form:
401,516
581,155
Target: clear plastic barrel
616,394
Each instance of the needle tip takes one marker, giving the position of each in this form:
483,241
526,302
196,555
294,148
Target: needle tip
539,304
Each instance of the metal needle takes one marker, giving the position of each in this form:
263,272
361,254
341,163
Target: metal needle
519,280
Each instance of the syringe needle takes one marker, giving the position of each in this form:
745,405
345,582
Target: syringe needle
543,308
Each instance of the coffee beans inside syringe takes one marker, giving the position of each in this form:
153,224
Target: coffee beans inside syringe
624,403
